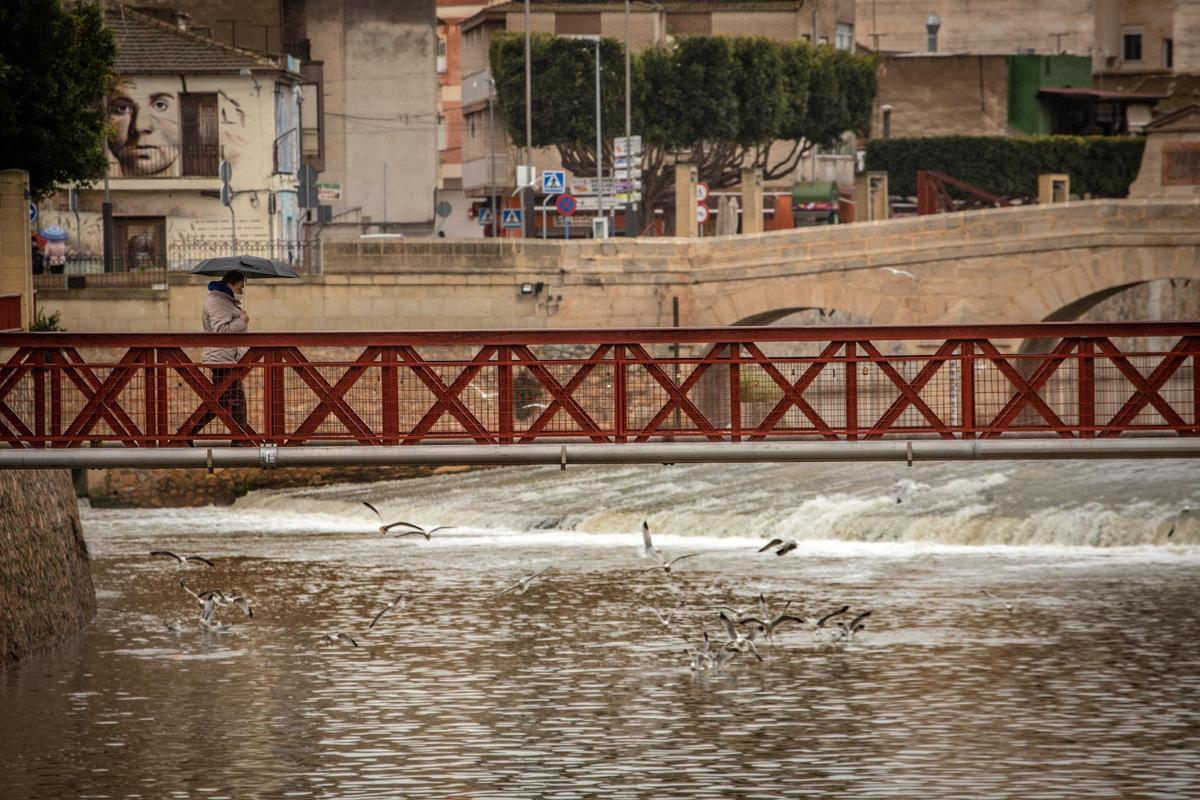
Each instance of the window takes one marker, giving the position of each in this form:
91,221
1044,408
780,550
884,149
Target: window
1168,53
844,38
200,142
312,115
441,55
1131,45
694,22
141,243
442,131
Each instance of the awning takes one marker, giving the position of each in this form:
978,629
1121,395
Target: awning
1088,93
815,192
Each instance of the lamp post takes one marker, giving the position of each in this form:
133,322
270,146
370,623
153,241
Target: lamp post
599,141
631,222
492,156
526,190
932,23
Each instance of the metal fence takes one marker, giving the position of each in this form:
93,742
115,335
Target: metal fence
138,160
85,270
1093,380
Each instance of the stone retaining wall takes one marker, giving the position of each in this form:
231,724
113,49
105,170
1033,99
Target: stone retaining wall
46,591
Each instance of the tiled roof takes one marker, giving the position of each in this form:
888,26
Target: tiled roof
147,45
669,6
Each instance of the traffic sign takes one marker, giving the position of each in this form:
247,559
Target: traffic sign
554,182
485,216
702,214
631,146
566,205
511,218
701,192
32,212
443,209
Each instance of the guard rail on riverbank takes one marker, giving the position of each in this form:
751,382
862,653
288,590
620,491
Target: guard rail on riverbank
1068,381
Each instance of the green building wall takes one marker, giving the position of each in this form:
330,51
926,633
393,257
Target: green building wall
1028,74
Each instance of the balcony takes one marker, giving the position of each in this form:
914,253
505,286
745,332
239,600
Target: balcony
476,88
165,161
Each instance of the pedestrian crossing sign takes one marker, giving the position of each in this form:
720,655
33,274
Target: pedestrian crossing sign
485,216
511,218
554,182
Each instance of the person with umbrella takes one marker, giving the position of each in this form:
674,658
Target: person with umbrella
55,251
223,313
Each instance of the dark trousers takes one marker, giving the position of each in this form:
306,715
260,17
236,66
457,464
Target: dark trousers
233,399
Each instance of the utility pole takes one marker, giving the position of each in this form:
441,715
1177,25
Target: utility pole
492,157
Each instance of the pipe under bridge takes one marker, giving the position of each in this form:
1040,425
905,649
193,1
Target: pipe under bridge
657,395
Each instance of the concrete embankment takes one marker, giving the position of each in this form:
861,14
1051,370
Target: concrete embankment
46,591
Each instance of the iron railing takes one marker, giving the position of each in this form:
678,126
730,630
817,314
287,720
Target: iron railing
1087,380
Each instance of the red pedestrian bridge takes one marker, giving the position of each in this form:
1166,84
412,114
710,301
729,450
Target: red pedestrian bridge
784,389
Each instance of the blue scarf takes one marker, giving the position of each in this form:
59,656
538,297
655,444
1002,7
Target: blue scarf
221,286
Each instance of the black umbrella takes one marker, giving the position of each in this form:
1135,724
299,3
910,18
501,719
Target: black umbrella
250,266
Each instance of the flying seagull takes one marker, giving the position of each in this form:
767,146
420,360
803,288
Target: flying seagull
334,638
738,641
1009,605
903,489
788,546
650,551
385,527
1178,517
400,602
665,618
854,626
181,560
522,585
417,530
899,272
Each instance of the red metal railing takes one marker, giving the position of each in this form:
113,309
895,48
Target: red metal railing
513,387
934,198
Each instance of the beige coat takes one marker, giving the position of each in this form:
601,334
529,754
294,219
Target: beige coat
222,314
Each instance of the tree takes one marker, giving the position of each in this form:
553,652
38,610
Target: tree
56,64
717,102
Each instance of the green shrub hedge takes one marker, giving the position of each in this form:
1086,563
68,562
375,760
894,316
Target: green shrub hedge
1102,166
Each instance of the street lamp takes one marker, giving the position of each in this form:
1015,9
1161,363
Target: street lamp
932,23
527,191
631,224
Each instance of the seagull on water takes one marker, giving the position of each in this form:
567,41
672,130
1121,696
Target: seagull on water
788,546
400,602
1009,605
652,552
522,585
738,641
702,658
900,273
334,638
1178,517
182,560
768,625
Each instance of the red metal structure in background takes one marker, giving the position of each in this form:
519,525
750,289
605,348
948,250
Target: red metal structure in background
513,387
934,198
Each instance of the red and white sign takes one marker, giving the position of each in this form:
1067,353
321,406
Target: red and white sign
702,214
701,192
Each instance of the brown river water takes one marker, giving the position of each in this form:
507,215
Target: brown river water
1090,687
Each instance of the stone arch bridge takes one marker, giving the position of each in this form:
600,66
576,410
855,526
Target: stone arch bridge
1022,264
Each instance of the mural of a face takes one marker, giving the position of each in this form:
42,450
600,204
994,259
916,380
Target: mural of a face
146,136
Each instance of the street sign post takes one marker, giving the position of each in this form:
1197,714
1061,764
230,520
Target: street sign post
554,182
702,214
485,216
511,218
566,204
702,192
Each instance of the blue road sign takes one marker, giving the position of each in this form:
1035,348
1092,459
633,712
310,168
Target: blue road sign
32,212
566,205
511,218
554,182
485,216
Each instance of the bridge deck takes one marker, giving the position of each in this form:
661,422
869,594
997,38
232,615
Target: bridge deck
1084,381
